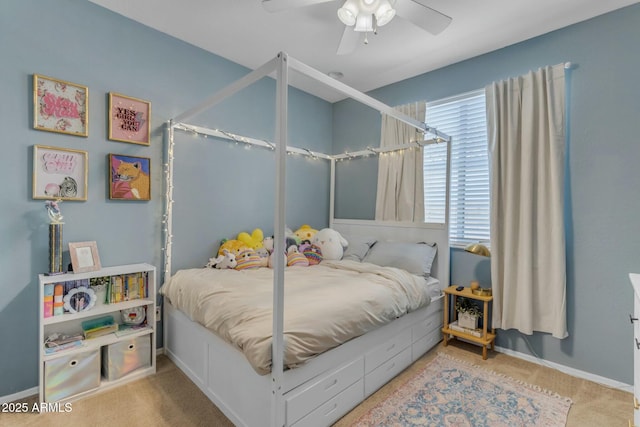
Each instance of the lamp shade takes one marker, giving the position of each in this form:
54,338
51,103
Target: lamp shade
384,13
348,12
478,249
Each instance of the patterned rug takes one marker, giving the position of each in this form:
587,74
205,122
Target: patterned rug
453,393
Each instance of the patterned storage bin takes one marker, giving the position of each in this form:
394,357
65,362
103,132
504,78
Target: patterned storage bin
126,356
69,375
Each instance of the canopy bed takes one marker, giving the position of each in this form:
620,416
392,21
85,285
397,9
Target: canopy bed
313,386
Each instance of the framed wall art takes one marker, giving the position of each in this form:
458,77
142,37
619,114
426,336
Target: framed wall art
129,177
129,119
59,173
60,106
84,256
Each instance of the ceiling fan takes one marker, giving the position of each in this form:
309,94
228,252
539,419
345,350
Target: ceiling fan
365,16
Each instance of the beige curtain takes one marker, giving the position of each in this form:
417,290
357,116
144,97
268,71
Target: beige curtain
400,195
526,120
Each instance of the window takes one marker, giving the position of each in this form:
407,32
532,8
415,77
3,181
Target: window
463,117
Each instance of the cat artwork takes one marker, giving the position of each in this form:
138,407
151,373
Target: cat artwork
130,180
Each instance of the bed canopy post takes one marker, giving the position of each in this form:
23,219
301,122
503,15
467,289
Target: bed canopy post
168,217
277,346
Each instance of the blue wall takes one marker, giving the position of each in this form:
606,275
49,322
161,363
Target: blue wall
602,199
80,42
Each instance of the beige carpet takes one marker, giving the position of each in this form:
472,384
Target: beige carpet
170,399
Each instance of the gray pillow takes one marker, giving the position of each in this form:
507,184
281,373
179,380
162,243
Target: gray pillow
416,258
358,247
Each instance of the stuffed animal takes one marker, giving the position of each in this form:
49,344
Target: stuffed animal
313,254
292,238
233,246
294,257
330,242
247,259
226,260
305,232
253,241
263,253
269,243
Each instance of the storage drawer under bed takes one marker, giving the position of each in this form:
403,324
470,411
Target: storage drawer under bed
386,351
308,397
385,372
336,407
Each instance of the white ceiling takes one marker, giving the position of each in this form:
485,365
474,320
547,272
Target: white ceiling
243,32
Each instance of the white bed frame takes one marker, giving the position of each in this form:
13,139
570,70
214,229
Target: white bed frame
328,386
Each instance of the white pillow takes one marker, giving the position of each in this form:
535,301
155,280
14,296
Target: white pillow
416,258
358,247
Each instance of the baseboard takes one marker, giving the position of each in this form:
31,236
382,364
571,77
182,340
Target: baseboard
568,370
20,395
159,351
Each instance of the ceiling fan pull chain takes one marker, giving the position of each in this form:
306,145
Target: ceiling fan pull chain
366,39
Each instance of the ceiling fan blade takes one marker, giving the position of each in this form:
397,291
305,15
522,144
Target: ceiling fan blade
349,41
280,5
423,16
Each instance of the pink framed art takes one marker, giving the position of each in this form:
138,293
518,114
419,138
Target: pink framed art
129,119
60,106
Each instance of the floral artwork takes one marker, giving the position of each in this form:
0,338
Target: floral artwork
60,106
59,173
129,119
129,177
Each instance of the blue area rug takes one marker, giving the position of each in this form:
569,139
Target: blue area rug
453,393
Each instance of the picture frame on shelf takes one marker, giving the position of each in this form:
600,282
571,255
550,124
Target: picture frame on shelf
129,177
79,299
129,119
60,106
84,256
59,173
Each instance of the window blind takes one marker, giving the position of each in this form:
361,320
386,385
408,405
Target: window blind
463,117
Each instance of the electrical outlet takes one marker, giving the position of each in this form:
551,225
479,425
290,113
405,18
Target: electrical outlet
158,313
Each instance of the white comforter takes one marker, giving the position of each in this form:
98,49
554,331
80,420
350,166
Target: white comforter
325,305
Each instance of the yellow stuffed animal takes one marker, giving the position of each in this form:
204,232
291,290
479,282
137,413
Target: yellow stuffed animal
233,246
305,232
253,241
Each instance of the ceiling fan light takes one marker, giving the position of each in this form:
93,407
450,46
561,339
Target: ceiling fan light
364,23
348,12
384,13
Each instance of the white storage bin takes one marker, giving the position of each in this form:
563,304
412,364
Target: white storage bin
126,356
69,375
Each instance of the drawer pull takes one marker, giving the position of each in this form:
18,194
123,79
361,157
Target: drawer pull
393,365
333,383
636,404
333,408
391,347
637,344
632,319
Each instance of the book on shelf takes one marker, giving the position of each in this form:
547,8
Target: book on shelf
475,332
126,287
94,328
130,329
66,346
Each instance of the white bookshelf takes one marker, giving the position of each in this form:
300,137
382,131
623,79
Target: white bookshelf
71,323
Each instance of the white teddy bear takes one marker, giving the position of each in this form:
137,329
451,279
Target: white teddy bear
330,242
